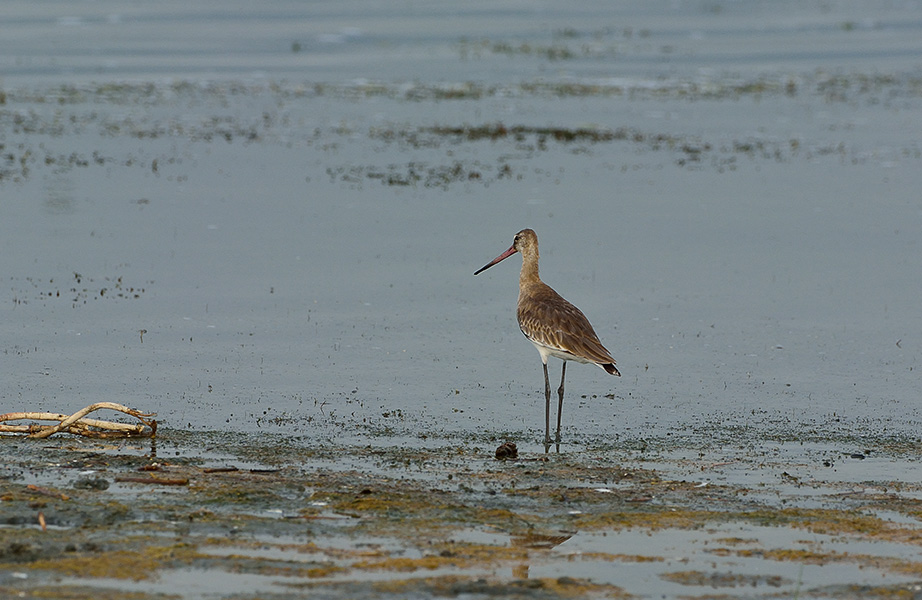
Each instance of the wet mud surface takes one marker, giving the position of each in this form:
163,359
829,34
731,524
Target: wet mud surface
232,516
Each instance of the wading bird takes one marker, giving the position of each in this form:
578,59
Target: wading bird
553,325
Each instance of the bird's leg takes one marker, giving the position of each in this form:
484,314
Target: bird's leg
547,408
563,373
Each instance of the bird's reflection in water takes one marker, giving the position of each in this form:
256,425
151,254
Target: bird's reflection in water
536,541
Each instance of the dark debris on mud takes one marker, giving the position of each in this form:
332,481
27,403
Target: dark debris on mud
408,523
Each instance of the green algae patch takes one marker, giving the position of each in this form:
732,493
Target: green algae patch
852,522
409,509
82,593
116,564
610,557
819,521
460,556
723,580
453,586
674,518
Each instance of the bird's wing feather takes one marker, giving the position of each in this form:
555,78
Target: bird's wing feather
547,319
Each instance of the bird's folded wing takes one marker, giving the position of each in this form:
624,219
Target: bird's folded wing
561,326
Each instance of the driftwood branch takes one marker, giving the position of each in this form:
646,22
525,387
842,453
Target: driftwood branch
78,425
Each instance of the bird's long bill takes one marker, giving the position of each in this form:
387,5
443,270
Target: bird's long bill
499,258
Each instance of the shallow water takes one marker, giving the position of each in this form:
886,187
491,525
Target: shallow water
267,220
299,252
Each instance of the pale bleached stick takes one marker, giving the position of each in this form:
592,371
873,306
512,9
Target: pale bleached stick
75,423
104,429
43,416
91,408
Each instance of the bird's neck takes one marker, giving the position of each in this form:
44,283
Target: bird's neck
529,273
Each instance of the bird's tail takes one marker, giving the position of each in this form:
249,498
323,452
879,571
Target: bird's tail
611,369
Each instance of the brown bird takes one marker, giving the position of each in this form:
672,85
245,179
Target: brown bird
553,325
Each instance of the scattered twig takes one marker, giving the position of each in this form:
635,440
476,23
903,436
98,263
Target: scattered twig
153,480
639,499
78,425
47,492
716,465
220,470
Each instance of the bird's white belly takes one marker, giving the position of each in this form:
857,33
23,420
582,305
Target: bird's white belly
546,351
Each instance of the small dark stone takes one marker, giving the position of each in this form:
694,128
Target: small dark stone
91,483
507,450
19,549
